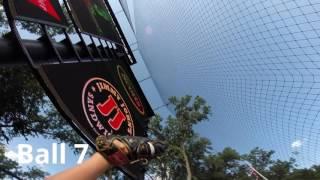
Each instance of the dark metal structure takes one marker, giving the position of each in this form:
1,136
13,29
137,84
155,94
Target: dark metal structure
46,51
39,51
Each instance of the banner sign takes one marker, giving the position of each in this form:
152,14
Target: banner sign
99,97
41,11
92,17
133,92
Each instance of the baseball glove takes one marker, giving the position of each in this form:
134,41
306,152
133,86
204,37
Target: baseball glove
135,149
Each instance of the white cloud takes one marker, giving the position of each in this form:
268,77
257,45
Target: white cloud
296,144
11,155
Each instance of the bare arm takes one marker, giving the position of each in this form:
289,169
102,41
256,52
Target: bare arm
90,169
98,164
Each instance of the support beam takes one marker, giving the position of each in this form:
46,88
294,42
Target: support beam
10,53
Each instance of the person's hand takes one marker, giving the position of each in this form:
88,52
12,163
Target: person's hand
121,146
121,150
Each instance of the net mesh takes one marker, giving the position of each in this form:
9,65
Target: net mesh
256,62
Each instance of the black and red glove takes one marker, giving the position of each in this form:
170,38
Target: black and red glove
136,149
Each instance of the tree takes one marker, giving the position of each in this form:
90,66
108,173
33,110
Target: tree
316,169
281,169
9,168
214,168
21,100
302,174
260,159
223,165
230,158
185,145
26,111
312,173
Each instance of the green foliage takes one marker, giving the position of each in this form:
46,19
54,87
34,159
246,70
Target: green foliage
203,163
34,173
223,165
308,174
9,168
21,100
25,111
281,169
260,159
187,114
185,145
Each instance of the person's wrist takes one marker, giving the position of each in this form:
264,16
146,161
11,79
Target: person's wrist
113,150
121,146
101,158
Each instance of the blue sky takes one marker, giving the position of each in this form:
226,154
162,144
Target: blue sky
256,63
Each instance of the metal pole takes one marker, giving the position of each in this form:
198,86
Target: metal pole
263,177
38,49
123,38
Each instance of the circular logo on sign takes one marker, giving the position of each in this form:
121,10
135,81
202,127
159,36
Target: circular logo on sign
130,90
105,109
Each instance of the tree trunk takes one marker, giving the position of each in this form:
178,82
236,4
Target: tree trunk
187,163
158,134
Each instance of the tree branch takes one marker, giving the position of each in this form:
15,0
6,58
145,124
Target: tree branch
10,174
157,133
186,159
4,125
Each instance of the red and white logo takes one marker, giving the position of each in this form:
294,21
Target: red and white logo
46,6
105,109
